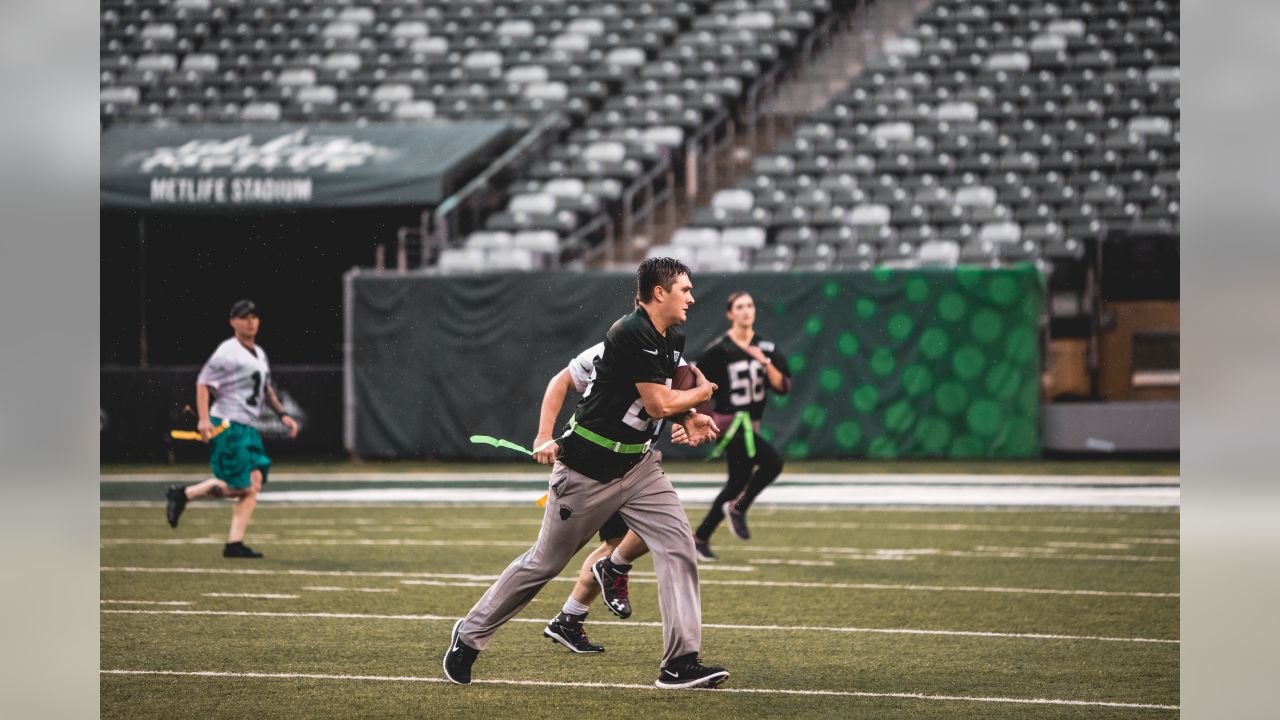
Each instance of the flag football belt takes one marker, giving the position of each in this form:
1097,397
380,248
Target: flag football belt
741,420
606,443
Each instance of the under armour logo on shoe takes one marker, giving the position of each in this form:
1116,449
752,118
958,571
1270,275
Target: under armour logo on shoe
565,512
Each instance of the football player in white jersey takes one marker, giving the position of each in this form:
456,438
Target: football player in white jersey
239,378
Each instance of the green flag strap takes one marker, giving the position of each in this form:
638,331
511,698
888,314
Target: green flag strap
500,443
741,419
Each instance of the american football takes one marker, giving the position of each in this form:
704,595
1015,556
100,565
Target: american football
684,379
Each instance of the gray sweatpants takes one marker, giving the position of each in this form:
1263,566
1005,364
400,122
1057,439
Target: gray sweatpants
576,508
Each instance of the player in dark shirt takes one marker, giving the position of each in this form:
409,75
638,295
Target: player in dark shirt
745,366
606,465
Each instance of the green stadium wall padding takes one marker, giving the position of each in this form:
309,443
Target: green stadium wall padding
921,363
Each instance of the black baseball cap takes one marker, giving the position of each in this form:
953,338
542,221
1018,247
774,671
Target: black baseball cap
243,308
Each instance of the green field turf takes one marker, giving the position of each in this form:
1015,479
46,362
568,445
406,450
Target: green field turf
820,601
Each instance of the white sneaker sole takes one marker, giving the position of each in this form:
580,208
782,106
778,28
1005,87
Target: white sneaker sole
709,682
546,632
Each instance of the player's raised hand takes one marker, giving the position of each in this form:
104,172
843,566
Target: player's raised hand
546,455
701,429
755,352
205,428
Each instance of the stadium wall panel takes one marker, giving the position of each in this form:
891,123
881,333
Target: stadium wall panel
887,363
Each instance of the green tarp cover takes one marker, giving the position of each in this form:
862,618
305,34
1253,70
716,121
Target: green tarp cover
904,363
227,167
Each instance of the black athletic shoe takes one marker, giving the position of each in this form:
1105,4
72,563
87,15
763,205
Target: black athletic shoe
613,583
568,631
704,550
458,659
687,671
175,503
737,520
239,550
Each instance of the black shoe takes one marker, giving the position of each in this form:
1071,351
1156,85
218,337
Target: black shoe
613,583
239,549
458,659
687,671
737,520
175,503
704,550
568,631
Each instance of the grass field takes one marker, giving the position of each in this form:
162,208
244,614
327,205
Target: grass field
825,613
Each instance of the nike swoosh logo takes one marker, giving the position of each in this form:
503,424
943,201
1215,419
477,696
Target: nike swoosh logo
651,352
668,672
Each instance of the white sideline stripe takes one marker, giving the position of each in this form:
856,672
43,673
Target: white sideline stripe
832,494
383,525
629,686
145,602
258,596
679,478
718,626
1155,496
747,583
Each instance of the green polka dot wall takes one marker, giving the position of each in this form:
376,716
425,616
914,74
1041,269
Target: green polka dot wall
913,364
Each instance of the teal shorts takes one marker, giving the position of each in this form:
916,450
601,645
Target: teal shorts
235,453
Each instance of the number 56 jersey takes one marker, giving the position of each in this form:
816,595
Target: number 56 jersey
239,378
742,380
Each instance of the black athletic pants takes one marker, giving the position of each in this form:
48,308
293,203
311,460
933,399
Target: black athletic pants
747,478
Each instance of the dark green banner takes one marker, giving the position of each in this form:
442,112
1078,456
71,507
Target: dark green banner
253,166
916,364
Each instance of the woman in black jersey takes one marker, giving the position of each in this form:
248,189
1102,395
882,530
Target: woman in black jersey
746,367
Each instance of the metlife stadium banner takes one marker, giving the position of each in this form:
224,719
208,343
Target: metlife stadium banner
240,167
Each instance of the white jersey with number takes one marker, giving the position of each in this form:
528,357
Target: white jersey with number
238,377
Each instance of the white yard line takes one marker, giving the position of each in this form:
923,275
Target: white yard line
645,578
446,583
628,686
251,595
720,626
144,602
332,588
847,553
963,527
775,561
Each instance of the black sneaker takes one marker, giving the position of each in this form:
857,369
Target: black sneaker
687,671
239,550
458,659
613,583
568,631
704,550
175,503
737,520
